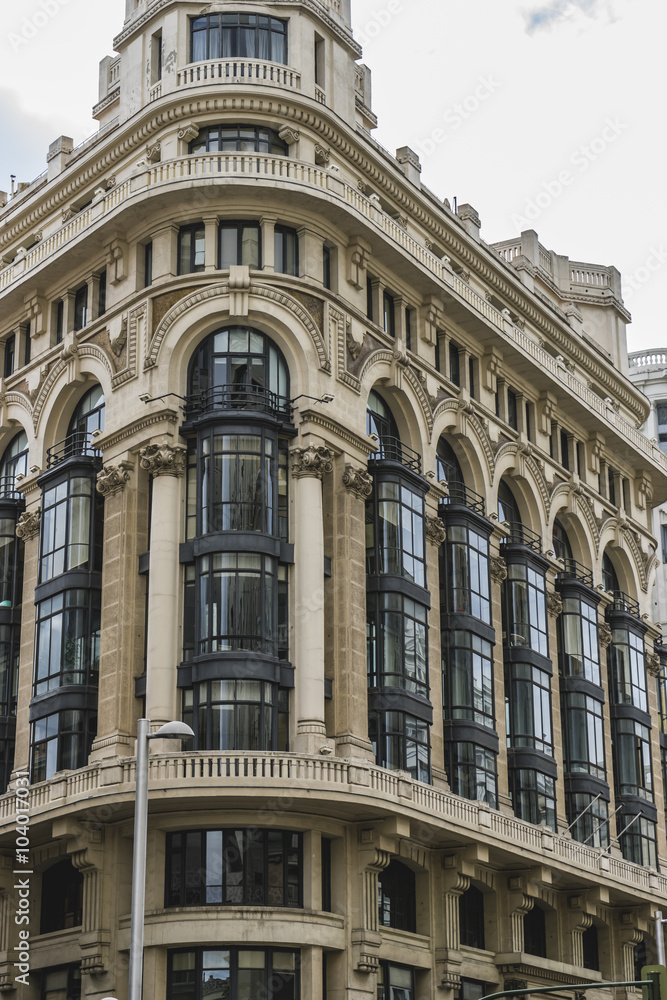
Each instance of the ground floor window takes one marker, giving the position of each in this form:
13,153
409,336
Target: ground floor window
61,984
233,974
395,982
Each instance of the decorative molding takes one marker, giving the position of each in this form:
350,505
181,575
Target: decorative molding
554,605
289,135
322,155
498,568
188,132
27,525
435,530
653,664
604,634
113,479
314,460
163,460
359,482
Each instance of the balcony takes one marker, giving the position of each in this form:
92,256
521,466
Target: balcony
236,397
392,449
237,70
520,535
461,496
77,445
623,602
575,571
8,490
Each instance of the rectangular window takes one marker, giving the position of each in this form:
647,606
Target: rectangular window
239,243
533,796
528,708
408,329
102,294
67,640
156,58
611,480
148,265
244,36
62,983
67,514
512,411
401,742
529,421
580,458
525,609
395,982
10,351
369,298
238,973
564,450
388,314
663,536
286,251
28,345
472,385
454,367
326,266
60,316
81,307
472,774
467,674
319,61
60,742
192,249
326,874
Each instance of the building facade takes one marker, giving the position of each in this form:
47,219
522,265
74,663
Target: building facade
289,453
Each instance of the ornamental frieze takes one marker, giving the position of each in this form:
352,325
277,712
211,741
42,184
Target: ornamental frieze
27,525
315,460
163,460
359,482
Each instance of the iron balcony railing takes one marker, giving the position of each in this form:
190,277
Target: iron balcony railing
393,450
8,489
623,602
520,535
462,496
236,397
76,445
576,571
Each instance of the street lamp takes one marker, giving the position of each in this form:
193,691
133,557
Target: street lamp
170,731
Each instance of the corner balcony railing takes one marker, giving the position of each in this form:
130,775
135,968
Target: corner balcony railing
391,449
623,602
286,777
8,489
236,397
575,571
519,534
77,445
461,496
238,71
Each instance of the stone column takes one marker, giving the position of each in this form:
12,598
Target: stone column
123,591
346,619
309,466
167,465
268,225
211,242
27,528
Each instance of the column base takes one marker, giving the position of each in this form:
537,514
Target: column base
315,744
115,745
354,748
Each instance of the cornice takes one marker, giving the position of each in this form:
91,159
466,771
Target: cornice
490,271
341,433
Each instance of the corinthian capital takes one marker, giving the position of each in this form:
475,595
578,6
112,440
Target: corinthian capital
163,460
358,482
315,460
112,479
435,530
27,525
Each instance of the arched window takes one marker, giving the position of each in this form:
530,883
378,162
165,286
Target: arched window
561,542
14,463
535,932
508,509
62,897
471,918
609,576
447,464
238,368
380,419
397,897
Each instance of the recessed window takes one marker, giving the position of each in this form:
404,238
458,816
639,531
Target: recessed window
245,36
454,367
471,918
14,463
62,897
370,312
286,251
395,982
27,352
10,355
564,450
224,972
408,328
239,139
156,57
245,867
81,307
397,898
191,249
589,942
102,294
60,313
535,932
239,243
319,61
512,410
148,265
326,266
62,983
388,314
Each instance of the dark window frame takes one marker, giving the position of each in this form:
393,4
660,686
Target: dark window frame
409,740
286,251
397,897
241,227
62,897
60,731
257,24
394,626
195,233
272,987
220,139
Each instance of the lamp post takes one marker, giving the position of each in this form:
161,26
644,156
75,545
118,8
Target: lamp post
170,731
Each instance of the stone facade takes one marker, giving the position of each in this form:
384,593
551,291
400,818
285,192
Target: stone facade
290,453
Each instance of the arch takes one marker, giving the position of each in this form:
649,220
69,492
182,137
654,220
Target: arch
14,461
471,442
215,362
630,562
622,564
400,381
89,362
218,294
518,466
573,512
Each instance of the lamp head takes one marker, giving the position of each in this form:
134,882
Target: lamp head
172,731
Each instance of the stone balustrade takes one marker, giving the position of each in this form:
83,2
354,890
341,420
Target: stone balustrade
244,71
649,360
109,785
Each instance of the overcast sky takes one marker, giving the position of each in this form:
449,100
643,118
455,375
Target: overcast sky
542,114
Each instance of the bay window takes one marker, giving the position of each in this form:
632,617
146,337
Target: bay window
578,639
533,796
472,772
589,818
395,542
465,571
61,742
632,752
528,707
67,640
397,643
234,973
244,36
628,669
401,743
525,608
468,678
227,138
584,737
228,715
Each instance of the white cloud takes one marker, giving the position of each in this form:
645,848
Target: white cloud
549,15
